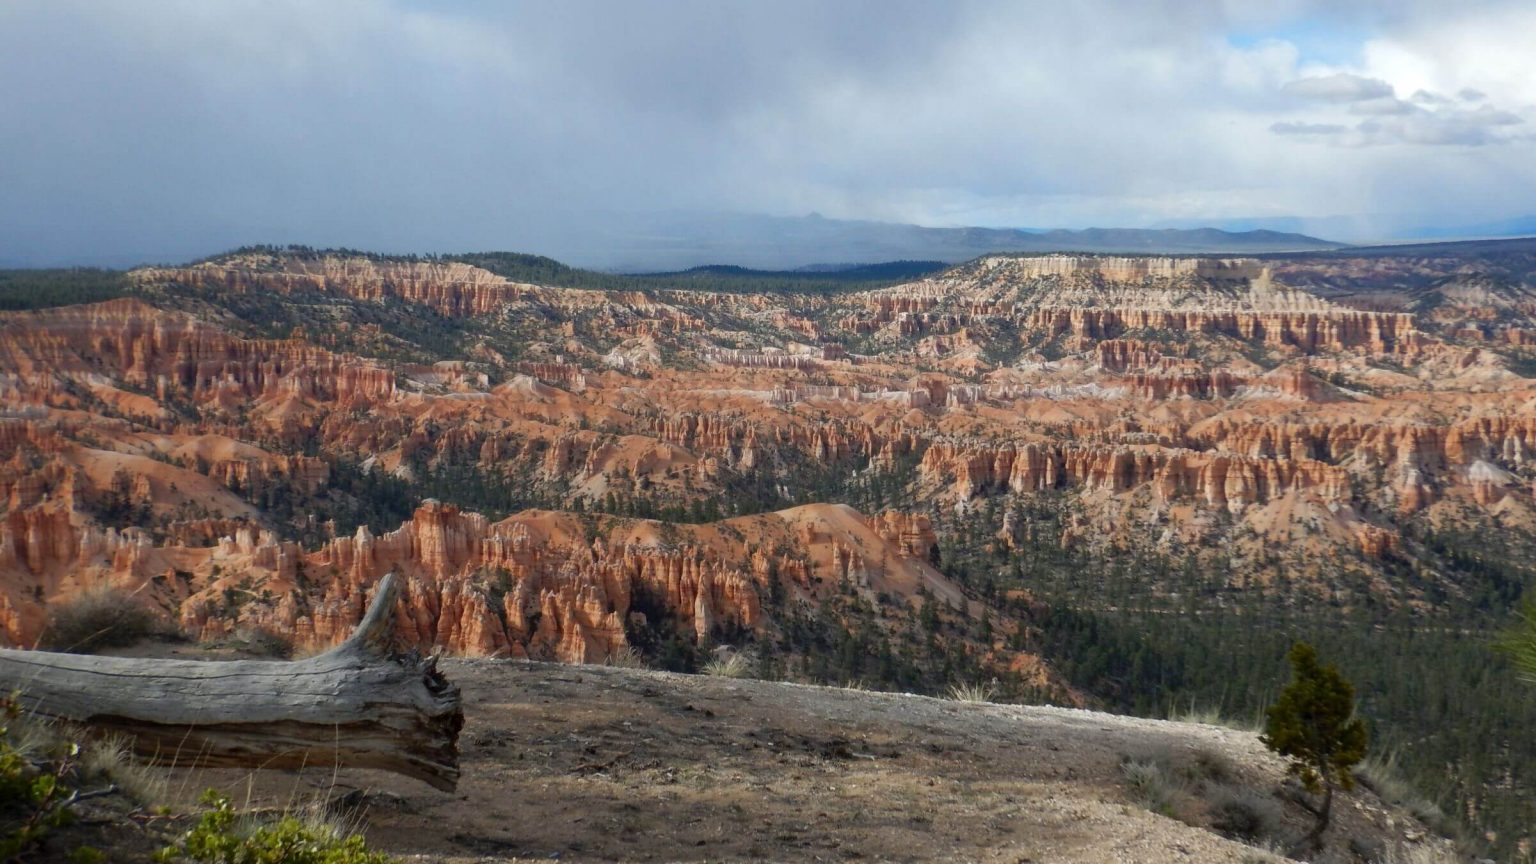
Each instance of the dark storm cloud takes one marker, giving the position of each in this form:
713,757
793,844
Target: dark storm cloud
378,124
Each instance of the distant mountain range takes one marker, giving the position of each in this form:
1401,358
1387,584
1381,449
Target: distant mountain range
672,241
1372,228
675,241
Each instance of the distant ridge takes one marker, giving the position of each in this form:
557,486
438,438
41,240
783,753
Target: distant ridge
675,242
1471,249
881,271
1175,240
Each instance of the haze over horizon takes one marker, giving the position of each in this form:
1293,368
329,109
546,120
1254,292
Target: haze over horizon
168,130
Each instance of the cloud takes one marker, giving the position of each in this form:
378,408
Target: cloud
1339,87
1430,60
1442,128
170,128
1438,129
1308,128
1383,106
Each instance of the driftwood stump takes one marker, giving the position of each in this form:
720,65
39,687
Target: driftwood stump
356,705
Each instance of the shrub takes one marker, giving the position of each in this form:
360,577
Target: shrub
264,643
1206,765
34,795
100,618
1152,786
1201,787
222,836
1244,813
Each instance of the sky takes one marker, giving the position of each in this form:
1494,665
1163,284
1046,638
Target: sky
165,129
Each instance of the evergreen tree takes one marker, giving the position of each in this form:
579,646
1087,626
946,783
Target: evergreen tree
1313,725
1519,642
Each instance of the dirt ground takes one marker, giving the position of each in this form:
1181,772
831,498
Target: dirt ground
582,763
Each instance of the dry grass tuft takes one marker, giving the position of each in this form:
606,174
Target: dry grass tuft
1382,776
734,664
625,658
972,692
111,760
1207,715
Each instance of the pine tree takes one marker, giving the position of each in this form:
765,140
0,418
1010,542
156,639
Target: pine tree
1313,725
1519,642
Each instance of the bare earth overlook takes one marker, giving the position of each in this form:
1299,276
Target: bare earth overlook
590,763
975,476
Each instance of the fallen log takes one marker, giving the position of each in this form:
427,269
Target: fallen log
357,705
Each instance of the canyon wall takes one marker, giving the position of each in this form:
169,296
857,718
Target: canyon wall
156,449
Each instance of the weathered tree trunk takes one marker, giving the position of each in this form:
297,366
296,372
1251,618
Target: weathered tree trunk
1312,843
356,705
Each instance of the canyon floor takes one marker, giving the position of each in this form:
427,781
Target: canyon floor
590,763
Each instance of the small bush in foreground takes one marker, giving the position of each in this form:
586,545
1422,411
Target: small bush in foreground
35,770
1244,813
100,618
1152,787
1202,788
223,836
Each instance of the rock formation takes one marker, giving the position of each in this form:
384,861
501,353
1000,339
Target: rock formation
147,443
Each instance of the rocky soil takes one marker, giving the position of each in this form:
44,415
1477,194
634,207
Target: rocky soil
590,763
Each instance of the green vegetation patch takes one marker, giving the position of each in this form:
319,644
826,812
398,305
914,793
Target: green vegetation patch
43,289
